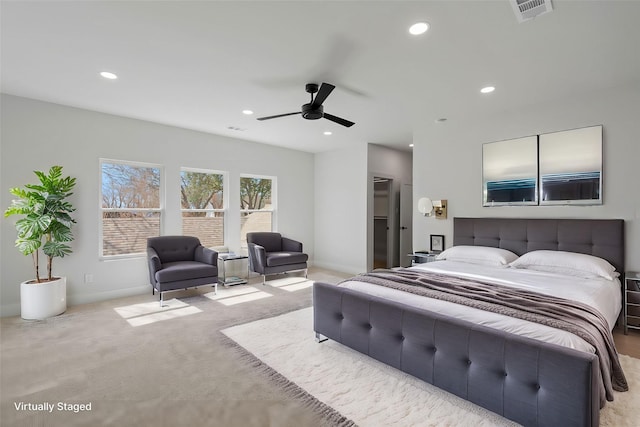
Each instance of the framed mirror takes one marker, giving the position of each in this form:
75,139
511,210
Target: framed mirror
571,167
510,172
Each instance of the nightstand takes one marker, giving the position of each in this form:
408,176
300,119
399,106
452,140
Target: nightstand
631,303
422,257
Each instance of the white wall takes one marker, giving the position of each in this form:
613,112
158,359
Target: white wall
343,184
387,163
36,135
448,162
341,209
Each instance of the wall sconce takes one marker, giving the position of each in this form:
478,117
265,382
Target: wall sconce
428,207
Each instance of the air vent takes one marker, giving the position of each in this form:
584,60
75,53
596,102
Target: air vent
529,9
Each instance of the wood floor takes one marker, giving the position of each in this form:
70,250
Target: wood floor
627,344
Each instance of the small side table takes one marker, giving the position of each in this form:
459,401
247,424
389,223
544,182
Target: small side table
223,259
631,303
422,257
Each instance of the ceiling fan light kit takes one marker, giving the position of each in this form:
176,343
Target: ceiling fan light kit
314,109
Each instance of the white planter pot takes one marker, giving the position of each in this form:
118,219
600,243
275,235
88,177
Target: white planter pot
42,300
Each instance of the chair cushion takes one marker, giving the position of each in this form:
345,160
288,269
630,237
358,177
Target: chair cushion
270,241
185,270
285,258
174,248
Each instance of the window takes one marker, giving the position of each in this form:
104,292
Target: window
202,201
131,207
257,205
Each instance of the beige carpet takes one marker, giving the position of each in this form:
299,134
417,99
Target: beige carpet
373,394
139,365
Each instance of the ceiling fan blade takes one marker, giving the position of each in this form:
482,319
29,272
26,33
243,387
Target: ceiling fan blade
322,94
338,120
279,115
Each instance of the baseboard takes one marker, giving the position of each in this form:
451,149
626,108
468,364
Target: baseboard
8,310
108,295
349,269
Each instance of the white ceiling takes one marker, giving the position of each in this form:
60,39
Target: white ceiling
197,65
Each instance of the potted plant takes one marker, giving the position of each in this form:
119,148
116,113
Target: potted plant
46,228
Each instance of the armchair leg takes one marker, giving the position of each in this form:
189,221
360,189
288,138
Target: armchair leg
264,279
306,271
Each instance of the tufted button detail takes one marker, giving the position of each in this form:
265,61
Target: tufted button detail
504,373
401,337
468,362
369,326
537,386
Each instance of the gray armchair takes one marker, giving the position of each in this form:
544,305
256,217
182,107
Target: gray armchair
270,253
180,262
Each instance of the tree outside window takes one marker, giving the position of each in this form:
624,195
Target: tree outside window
130,205
256,205
202,203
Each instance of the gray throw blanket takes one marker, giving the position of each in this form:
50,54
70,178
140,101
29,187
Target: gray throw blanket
571,316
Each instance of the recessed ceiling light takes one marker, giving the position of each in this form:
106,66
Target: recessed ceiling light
328,132
108,75
487,89
419,28
411,145
247,112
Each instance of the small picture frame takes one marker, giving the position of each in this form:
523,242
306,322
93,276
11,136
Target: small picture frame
437,243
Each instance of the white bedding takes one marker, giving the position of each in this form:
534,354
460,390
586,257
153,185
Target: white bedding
602,294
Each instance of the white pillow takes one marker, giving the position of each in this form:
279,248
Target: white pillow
478,255
567,263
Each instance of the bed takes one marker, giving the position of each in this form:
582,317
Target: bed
504,369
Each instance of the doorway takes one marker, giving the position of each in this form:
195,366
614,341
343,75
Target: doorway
382,198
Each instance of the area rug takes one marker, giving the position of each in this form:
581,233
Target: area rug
369,393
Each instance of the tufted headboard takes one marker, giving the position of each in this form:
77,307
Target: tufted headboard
603,238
